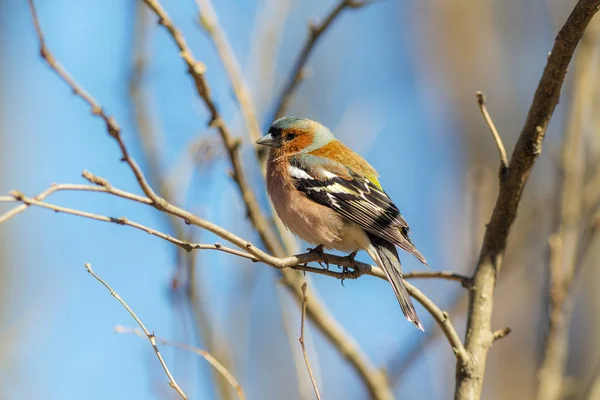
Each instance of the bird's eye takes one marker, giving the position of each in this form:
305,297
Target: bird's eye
291,136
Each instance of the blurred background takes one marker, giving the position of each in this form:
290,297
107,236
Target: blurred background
395,80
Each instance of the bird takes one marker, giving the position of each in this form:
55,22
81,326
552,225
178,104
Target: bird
331,197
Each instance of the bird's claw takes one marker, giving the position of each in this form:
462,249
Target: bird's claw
320,252
345,270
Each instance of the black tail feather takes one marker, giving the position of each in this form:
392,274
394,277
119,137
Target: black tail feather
387,258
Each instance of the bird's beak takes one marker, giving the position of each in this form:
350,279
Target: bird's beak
268,140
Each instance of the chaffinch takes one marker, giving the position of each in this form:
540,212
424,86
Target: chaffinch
330,196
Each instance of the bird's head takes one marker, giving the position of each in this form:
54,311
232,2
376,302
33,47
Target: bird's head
294,135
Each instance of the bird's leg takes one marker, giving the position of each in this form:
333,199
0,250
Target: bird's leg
319,250
350,258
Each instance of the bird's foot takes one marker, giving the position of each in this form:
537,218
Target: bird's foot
319,250
345,270
351,257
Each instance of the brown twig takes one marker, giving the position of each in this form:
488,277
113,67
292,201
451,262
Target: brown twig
470,372
66,187
501,333
149,136
443,320
150,336
301,340
112,127
401,364
202,353
210,22
296,262
196,69
315,31
494,131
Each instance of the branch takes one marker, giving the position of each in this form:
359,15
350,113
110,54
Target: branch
501,333
495,134
443,320
202,353
112,127
150,336
149,137
315,31
297,262
301,340
66,187
210,22
196,69
470,373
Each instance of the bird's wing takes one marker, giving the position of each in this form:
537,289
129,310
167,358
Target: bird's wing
358,198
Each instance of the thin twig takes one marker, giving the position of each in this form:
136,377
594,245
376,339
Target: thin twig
315,31
67,187
301,340
501,333
196,70
150,336
470,374
297,262
210,22
494,131
202,353
401,364
443,320
112,127
149,136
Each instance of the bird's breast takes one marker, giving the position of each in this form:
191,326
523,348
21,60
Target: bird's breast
311,221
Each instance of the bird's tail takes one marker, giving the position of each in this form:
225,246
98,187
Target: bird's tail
385,255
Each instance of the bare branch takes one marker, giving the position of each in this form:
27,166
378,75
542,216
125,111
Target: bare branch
67,187
165,183
113,129
196,69
210,22
202,353
470,374
443,320
296,262
495,134
150,336
301,340
501,333
315,31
